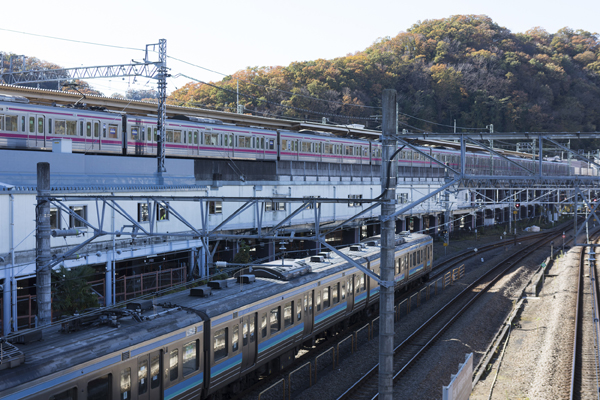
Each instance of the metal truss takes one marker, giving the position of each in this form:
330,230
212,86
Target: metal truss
148,70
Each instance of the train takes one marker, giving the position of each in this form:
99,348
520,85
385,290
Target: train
210,341
97,131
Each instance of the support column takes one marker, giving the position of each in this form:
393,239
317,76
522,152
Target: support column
44,256
388,247
108,283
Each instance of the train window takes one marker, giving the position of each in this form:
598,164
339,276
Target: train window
284,144
263,325
70,394
244,142
220,344
31,124
362,282
252,330
60,127
155,371
126,384
305,147
350,288
96,129
288,320
317,147
318,301
1,122
142,376
184,136
335,289
190,358
190,135
326,298
155,135
299,309
343,291
309,303
80,128
22,124
88,129
195,137
244,333
262,143
170,136
235,338
274,320
134,132
174,365
177,136
71,127
113,131
103,130
40,124
99,389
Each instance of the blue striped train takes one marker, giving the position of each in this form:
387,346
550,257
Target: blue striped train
214,340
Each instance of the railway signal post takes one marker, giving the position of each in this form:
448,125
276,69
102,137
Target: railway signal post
388,244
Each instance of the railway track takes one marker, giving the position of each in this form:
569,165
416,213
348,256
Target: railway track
585,372
409,351
452,262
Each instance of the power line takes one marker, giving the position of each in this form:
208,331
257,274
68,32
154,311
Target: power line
278,104
71,40
435,123
277,90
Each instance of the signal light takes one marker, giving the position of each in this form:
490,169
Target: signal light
517,205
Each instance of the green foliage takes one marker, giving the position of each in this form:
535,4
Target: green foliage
243,256
465,67
71,290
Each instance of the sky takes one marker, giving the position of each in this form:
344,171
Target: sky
227,36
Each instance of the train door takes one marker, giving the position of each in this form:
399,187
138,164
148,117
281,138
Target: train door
92,135
36,128
149,377
249,341
350,293
137,136
260,147
308,313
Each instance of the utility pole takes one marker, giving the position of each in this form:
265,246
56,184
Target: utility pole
388,246
162,108
43,254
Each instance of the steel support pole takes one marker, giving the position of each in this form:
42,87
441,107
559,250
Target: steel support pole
162,109
44,256
388,244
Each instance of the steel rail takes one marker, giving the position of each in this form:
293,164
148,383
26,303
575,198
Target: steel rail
417,335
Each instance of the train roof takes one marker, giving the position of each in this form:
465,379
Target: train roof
179,311
59,351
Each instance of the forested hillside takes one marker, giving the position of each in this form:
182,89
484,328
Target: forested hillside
465,67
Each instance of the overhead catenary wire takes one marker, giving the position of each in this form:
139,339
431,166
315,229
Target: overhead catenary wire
280,105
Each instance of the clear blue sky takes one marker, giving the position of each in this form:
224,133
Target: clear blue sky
227,36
